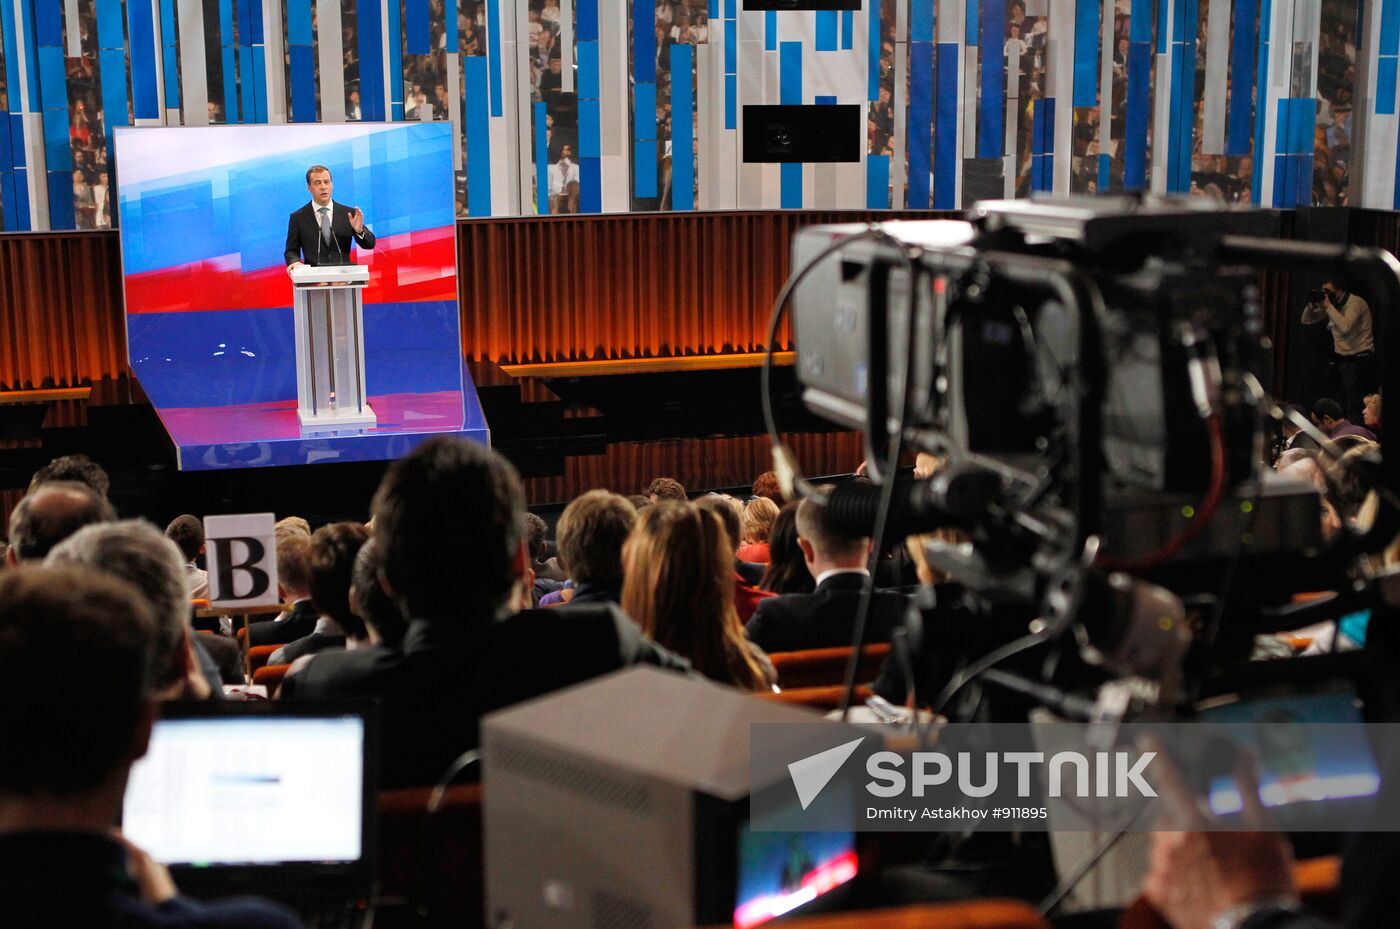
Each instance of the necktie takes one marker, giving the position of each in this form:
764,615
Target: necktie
325,224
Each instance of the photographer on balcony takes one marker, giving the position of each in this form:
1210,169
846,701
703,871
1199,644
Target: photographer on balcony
1352,372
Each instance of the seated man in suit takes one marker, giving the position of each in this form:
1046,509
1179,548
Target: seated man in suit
320,232
825,618
294,585
464,653
75,692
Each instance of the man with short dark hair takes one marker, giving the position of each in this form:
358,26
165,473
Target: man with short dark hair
187,532
67,634
321,232
464,653
1328,415
591,531
79,468
665,488
50,513
825,618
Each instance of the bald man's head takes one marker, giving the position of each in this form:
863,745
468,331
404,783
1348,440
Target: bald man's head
51,513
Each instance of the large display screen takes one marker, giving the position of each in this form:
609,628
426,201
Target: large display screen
204,216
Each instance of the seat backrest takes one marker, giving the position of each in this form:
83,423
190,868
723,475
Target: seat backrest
822,667
435,868
270,676
818,698
258,655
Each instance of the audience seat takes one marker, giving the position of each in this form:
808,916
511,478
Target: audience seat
258,655
431,878
1319,885
973,914
270,676
820,667
818,698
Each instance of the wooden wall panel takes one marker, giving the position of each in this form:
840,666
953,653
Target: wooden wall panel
61,322
531,290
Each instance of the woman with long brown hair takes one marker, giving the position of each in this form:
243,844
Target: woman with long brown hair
678,570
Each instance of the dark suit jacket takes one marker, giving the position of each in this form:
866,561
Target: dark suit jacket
298,625
824,618
56,880
304,236
449,673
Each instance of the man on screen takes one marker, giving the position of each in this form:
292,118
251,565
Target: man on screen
320,232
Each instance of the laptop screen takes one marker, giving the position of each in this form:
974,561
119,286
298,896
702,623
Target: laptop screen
255,788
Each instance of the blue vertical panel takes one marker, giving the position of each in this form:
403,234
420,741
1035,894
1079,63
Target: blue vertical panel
945,132
823,100
1266,10
586,20
827,24
452,38
416,31
371,44
790,74
714,9
169,57
31,53
304,84
395,59
52,102
1175,74
920,21
1135,130
770,30
644,111
731,9
1184,114
790,94
1395,204
1389,35
586,84
644,168
1163,27
1301,125
493,44
12,75
1140,20
991,102
731,60
848,29
1086,53
970,23
1105,173
111,63
302,61
872,56
141,34
589,136
877,182
541,159
476,119
1385,85
682,128
644,41
1237,137
228,56
590,192
920,123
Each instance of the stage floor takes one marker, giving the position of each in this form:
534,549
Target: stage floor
267,434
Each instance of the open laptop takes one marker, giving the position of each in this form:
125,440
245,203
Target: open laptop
271,799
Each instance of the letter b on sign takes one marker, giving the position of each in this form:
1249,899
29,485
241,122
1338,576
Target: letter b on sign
242,553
